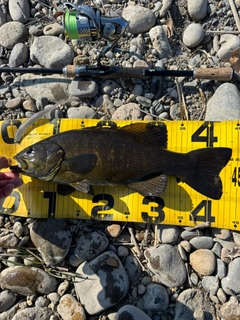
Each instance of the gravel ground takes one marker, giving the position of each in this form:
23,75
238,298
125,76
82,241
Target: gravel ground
70,269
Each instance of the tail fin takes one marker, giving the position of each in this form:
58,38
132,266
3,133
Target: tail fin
204,168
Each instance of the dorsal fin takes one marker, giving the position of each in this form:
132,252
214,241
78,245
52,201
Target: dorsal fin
152,133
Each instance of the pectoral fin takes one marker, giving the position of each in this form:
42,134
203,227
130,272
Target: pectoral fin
151,187
82,163
82,186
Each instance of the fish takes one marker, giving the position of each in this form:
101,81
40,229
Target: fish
134,155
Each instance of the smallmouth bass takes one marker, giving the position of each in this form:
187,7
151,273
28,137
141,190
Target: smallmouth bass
135,155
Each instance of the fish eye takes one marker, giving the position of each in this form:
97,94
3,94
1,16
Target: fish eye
29,150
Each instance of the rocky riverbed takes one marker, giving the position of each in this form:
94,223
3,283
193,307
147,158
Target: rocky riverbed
75,269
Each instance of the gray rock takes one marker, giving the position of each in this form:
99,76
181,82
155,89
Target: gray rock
197,9
210,284
132,268
51,52
137,89
137,47
194,279
107,87
90,245
129,312
167,234
18,229
217,248
159,261
203,261
19,55
36,30
231,309
19,12
7,300
53,29
182,253
27,280
14,103
104,284
83,88
202,242
122,251
188,235
105,104
144,101
42,301
231,283
55,89
140,19
236,237
3,14
228,44
193,35
154,299
191,300
33,313
166,4
81,112
229,108
129,111
221,269
69,308
160,42
225,243
221,295
52,238
8,240
11,33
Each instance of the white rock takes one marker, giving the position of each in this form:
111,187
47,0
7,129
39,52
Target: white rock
197,9
228,44
193,35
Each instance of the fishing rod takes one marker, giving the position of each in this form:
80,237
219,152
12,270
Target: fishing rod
99,71
86,24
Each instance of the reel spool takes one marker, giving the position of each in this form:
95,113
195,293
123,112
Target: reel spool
84,23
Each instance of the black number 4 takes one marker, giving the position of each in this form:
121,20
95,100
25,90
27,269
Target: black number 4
208,138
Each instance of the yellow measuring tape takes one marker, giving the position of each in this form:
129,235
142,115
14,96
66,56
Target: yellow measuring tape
178,205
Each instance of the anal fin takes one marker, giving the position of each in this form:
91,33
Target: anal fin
151,187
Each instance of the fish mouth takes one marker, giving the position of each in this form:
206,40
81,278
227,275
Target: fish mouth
20,167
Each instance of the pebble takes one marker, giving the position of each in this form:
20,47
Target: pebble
158,260
20,12
80,112
229,108
129,312
108,86
70,309
166,4
113,230
228,43
33,313
122,251
27,280
51,52
140,19
210,284
156,81
197,9
167,234
223,234
90,245
231,283
221,269
236,237
53,29
188,235
14,103
83,88
19,55
7,300
18,229
52,238
110,280
193,35
155,299
191,300
11,33
202,242
53,88
231,309
129,111
160,42
203,261
132,268
8,240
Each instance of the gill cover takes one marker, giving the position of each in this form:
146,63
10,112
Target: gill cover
41,160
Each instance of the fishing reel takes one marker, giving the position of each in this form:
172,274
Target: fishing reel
84,23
